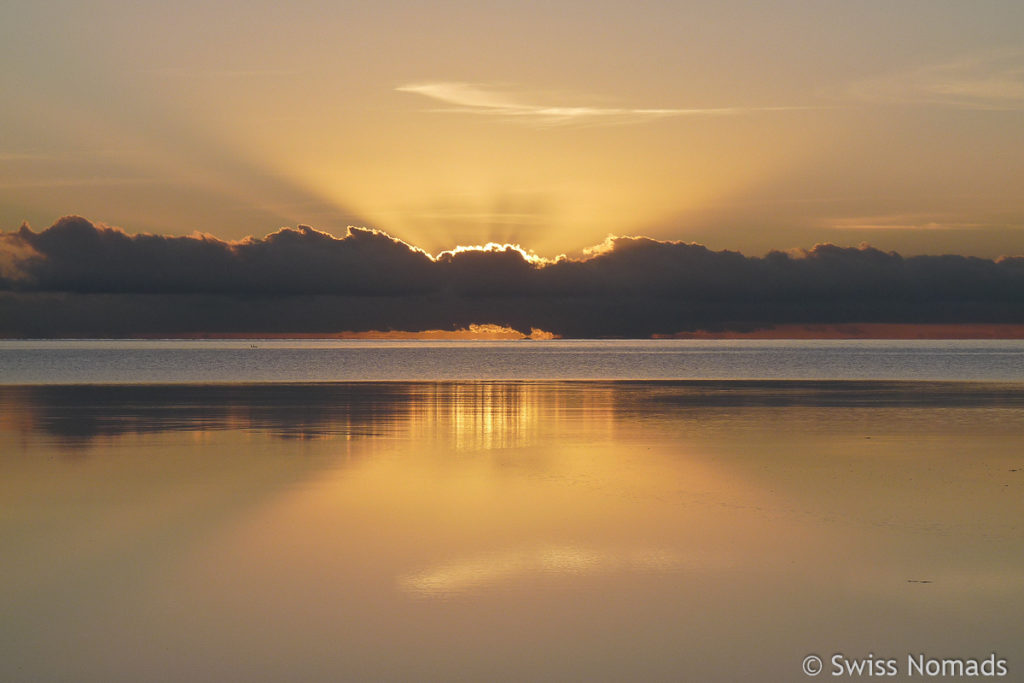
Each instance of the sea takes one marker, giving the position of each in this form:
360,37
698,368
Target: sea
665,510
276,360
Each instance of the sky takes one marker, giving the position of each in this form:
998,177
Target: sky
743,126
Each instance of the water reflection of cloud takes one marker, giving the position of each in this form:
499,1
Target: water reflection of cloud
488,571
78,416
463,415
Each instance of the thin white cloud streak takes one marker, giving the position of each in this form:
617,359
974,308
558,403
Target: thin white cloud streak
993,82
74,182
177,72
901,222
469,98
24,156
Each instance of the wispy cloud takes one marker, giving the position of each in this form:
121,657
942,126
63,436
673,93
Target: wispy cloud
993,81
905,221
23,156
73,182
178,72
470,98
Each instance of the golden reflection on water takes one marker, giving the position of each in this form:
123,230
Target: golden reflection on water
505,531
487,571
499,415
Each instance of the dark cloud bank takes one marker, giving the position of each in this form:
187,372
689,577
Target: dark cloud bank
80,279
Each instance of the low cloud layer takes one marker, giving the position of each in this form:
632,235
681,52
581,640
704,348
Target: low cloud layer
78,278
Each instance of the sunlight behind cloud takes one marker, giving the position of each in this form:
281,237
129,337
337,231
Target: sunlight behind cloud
532,125
528,255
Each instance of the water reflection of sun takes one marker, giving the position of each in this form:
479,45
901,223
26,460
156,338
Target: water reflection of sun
479,415
497,415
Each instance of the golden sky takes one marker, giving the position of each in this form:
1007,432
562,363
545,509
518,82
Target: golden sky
552,124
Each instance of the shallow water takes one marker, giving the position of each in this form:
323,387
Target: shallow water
261,360
713,531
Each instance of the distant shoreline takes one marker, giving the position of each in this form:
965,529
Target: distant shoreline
864,331
880,331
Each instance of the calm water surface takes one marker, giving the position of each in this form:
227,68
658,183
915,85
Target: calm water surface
506,531
189,361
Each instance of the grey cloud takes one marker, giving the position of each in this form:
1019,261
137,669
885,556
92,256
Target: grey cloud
77,278
76,256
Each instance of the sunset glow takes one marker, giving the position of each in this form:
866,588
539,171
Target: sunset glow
738,127
492,247
578,340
